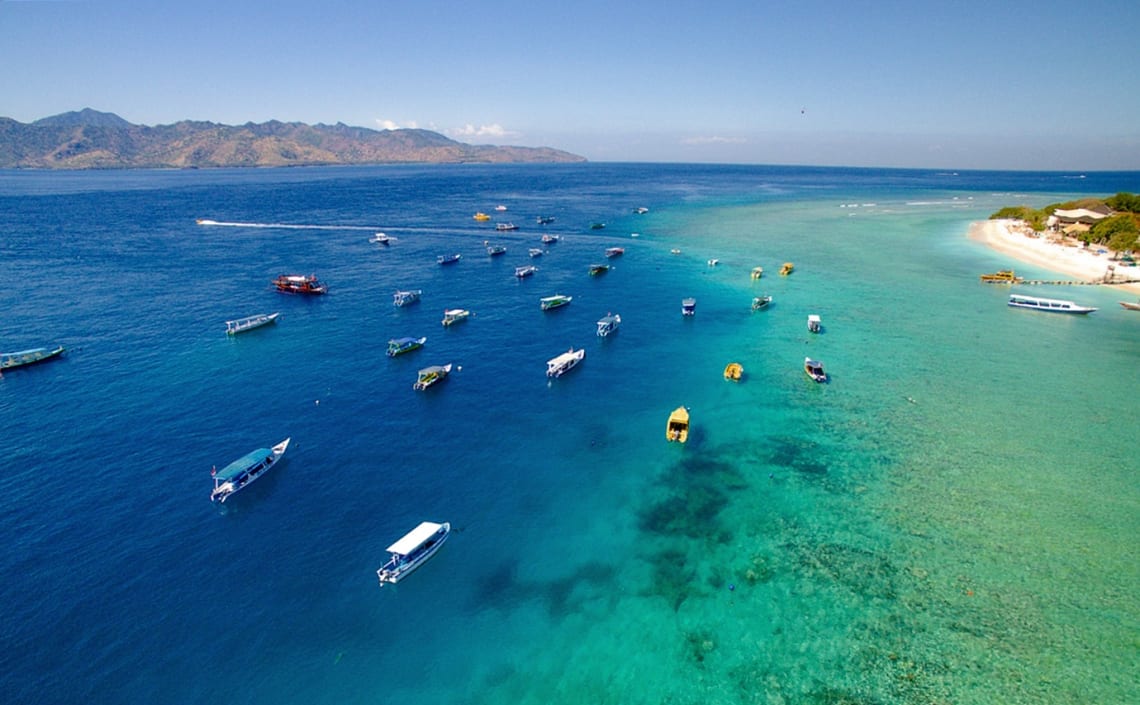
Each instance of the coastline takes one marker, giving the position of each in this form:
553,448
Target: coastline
1014,238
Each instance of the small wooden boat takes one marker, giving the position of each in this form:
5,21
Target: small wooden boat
448,259
815,325
481,216
431,375
409,296
733,371
1004,276
1131,306
677,429
241,325
688,307
28,357
558,366
455,315
242,472
787,268
525,271
299,284
814,369
413,550
380,239
759,303
757,272
556,301
608,324
399,346
598,269
615,251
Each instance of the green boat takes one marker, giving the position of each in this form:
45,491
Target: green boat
399,346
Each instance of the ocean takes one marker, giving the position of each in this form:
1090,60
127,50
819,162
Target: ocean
951,518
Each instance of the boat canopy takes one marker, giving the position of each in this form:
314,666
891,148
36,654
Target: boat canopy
403,341
415,538
434,369
238,467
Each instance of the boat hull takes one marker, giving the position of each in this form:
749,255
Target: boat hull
10,361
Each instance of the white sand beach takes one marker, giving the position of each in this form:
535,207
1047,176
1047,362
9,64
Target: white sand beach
1016,239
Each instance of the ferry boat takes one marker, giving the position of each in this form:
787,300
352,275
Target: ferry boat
544,219
615,251
815,325
733,371
759,303
241,325
596,269
403,298
549,302
413,550
455,315
557,366
688,307
1004,276
787,268
550,239
399,346
481,216
1052,305
28,357
757,272
431,375
299,284
525,271
380,239
534,252
448,259
505,227
677,430
608,324
242,472
814,369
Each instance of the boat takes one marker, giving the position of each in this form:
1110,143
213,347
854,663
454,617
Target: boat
380,239
448,259
1052,305
674,251
1004,276
496,250
713,262
678,427
557,366
596,269
815,325
403,298
455,315
534,252
641,210
28,357
555,301
525,271
786,268
597,226
504,227
814,369
1130,306
241,325
299,284
733,371
759,303
608,324
757,272
544,219
688,307
413,550
430,375
549,239
242,472
500,208
399,346
481,216
615,251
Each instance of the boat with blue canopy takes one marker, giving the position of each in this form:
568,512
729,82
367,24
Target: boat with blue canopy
242,472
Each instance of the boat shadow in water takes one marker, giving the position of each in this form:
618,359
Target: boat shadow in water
570,594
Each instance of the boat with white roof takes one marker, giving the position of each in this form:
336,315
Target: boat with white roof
1038,303
413,550
549,302
431,375
558,366
241,325
608,324
455,315
403,298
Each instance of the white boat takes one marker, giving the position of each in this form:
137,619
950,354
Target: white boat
674,251
11,360
500,208
413,550
241,325
556,367
814,369
1052,305
608,324
550,239
615,251
523,272
242,472
455,315
713,262
534,252
505,227
380,239
431,375
403,298
760,303
688,307
641,210
549,302
814,324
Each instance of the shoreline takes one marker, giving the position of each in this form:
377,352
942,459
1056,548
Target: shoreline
1014,238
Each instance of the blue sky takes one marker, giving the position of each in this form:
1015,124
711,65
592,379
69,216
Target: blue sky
1018,85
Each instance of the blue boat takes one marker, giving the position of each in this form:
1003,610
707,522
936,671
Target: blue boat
399,346
28,357
242,472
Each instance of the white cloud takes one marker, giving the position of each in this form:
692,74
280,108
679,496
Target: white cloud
494,131
713,139
393,125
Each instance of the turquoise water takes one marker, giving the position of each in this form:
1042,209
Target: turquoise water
952,518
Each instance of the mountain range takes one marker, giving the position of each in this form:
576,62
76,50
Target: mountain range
89,139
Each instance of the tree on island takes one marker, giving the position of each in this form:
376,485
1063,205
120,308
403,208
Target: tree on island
1120,232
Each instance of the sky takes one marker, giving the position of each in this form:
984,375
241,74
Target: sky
1013,84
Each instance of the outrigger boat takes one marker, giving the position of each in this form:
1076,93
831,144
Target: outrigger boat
733,371
403,298
413,550
557,366
241,325
448,259
495,250
299,284
455,315
380,239
399,346
615,251
534,252
242,472
431,375
523,272
760,303
549,302
678,427
596,269
814,369
608,324
688,307
1051,305
28,357
814,324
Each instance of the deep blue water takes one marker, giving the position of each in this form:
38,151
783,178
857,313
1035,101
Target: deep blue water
124,584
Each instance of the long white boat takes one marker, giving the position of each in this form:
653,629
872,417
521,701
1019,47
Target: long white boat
241,325
28,357
557,366
608,324
403,298
413,550
242,472
1052,305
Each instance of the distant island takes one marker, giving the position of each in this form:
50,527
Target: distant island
89,139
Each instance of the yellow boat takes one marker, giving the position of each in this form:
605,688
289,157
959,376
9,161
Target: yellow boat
481,216
678,427
734,371
1005,276
787,268
757,272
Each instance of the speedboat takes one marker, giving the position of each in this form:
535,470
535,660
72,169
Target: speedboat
403,298
814,324
608,324
713,262
380,239
615,251
399,346
678,427
534,252
1052,305
688,307
557,366
481,216
241,325
413,550
448,259
431,375
525,271
299,284
500,208
549,302
814,369
28,357
242,472
596,269
733,371
760,303
641,210
455,315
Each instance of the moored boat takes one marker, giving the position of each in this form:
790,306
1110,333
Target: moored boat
505,227
431,375
448,259
242,472
815,325
455,315
759,303
550,239
677,429
399,346
534,252
549,302
596,269
1004,276
1038,303
481,216
608,324
500,208
1131,306
241,325
787,268
299,284
413,550
757,272
525,271
597,226
380,239
641,210
494,250
615,251
814,369
713,262
28,357
689,307
557,366
733,371
544,219
403,298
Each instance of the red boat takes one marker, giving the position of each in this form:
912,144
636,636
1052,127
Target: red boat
298,284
